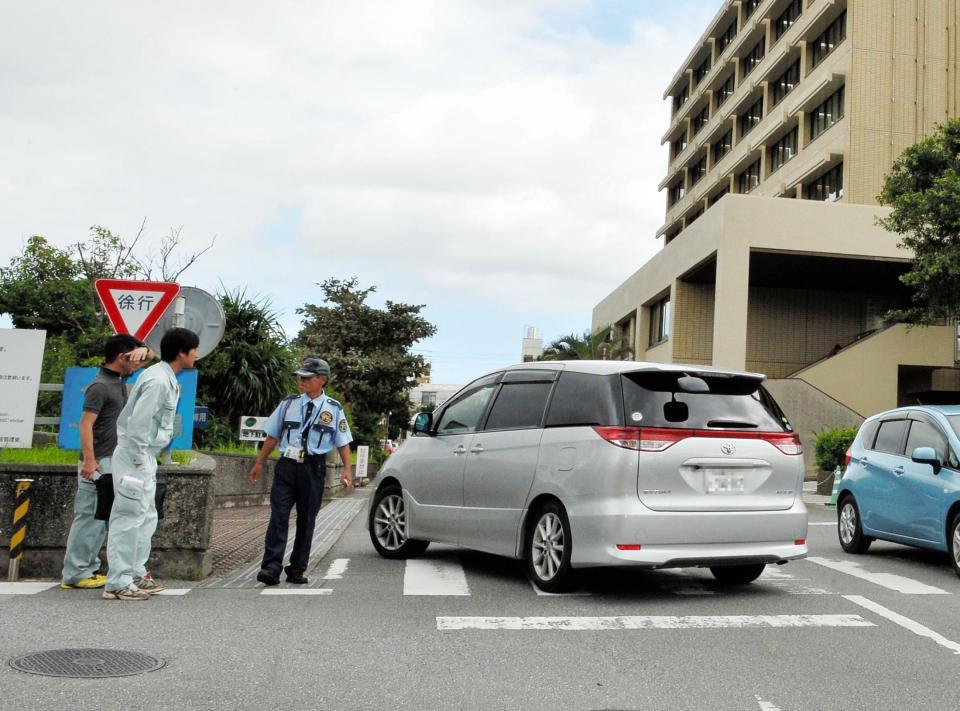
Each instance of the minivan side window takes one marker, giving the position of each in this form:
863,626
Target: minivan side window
584,399
924,434
519,406
464,413
890,436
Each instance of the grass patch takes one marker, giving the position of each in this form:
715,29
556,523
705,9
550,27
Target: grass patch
52,454
247,449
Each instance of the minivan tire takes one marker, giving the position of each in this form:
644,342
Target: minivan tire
549,535
388,525
737,574
953,542
849,530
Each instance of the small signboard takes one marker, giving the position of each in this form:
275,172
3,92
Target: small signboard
21,354
135,307
363,459
201,417
251,428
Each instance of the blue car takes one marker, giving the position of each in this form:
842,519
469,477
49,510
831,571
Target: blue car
902,481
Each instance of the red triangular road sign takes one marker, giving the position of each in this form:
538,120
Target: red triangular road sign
135,307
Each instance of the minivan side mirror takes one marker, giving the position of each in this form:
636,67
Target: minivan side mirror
927,455
422,423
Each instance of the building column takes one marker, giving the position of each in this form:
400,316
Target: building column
732,293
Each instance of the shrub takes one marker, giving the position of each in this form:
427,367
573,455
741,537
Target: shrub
831,447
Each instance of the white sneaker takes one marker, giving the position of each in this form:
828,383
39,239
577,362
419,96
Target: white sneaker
131,592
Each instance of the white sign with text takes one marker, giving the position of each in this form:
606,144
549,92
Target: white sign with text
251,428
363,456
21,355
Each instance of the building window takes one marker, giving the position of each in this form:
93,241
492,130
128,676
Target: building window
675,193
698,171
749,178
716,196
723,146
750,7
786,19
751,117
678,146
829,39
783,150
728,35
692,217
827,188
752,59
786,82
659,322
680,98
826,114
428,399
700,120
725,91
701,70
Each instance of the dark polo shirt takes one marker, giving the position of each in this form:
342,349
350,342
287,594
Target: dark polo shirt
105,396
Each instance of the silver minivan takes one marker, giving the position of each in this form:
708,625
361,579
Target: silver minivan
576,464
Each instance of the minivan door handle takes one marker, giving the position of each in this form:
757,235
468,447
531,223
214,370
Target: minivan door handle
460,450
477,448
898,470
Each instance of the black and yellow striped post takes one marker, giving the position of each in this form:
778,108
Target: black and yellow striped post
18,537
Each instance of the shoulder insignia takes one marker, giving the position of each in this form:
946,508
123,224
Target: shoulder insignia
343,425
290,397
334,403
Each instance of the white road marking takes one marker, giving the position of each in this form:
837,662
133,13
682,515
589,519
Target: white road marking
296,591
905,622
24,588
790,584
337,569
434,577
646,622
822,523
766,705
887,580
173,591
544,593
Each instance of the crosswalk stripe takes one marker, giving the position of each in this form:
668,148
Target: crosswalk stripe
337,569
296,591
904,622
887,580
434,577
173,592
24,588
646,622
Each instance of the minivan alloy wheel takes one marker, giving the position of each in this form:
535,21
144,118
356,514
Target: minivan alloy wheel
390,522
548,545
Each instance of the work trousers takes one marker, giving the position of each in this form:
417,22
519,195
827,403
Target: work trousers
300,485
82,558
133,519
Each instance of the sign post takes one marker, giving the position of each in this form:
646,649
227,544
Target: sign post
363,459
135,307
21,355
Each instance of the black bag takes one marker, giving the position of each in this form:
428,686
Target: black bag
158,498
104,497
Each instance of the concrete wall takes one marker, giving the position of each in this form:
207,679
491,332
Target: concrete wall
231,480
181,545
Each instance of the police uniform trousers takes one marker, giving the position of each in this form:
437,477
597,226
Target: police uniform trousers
87,534
133,519
294,484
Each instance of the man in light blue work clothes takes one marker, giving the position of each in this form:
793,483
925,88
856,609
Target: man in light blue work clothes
306,427
145,427
103,400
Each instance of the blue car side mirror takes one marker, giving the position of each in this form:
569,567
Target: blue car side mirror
927,455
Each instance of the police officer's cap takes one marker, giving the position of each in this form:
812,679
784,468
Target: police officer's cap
313,366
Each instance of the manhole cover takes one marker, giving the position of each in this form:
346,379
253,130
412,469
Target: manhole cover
86,663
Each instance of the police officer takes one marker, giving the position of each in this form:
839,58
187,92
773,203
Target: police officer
305,427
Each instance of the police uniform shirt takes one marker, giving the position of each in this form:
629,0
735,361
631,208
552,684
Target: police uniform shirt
328,427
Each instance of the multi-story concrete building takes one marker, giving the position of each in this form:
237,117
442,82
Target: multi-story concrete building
786,117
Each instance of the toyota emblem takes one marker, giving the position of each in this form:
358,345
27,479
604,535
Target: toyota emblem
728,448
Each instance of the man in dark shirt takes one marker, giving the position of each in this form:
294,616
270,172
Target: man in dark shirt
102,403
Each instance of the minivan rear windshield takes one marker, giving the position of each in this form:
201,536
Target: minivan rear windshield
654,399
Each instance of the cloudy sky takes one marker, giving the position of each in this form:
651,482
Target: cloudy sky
495,160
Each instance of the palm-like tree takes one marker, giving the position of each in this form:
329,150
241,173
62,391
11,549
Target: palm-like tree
602,344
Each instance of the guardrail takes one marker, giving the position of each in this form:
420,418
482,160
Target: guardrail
49,388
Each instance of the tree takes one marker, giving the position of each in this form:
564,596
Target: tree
923,188
369,353
249,372
601,344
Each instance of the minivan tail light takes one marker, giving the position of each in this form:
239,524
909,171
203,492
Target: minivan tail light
657,439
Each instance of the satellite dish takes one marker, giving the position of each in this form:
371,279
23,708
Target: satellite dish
196,310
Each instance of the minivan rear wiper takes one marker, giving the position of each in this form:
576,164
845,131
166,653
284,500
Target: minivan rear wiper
733,424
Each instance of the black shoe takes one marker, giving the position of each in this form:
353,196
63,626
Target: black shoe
268,578
296,578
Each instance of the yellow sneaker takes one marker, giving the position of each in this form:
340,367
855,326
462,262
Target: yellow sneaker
94,581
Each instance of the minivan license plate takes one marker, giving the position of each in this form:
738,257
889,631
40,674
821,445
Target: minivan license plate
719,481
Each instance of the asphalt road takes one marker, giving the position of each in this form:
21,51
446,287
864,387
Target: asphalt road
880,631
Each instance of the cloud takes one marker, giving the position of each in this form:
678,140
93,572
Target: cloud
472,155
